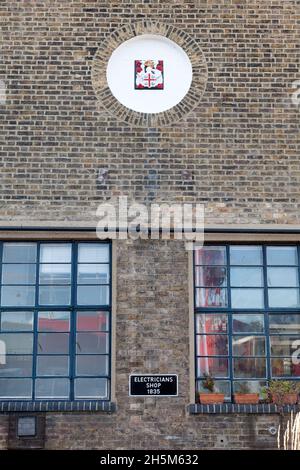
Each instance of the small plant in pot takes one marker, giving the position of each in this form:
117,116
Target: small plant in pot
283,392
210,397
244,395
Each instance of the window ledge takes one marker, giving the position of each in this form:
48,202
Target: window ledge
57,405
229,408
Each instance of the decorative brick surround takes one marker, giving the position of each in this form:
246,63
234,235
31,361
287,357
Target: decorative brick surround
112,105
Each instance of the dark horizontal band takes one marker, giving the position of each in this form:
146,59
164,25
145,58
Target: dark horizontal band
229,408
57,405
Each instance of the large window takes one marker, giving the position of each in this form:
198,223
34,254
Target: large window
55,321
247,315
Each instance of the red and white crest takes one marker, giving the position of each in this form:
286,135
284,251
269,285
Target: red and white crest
149,74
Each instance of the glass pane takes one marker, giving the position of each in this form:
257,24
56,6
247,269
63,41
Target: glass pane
54,321
286,323
282,255
55,295
248,345
93,274
15,388
52,388
248,386
16,321
15,366
284,345
249,367
212,345
246,255
17,296
55,273
91,388
211,297
284,367
246,277
52,365
221,386
18,273
92,295
91,365
55,253
247,298
215,366
93,253
215,255
214,276
93,343
248,323
288,298
206,323
283,277
92,321
17,343
55,343
19,252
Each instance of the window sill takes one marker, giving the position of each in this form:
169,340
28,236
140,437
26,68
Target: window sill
57,405
231,408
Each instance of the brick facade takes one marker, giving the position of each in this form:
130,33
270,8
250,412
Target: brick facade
237,151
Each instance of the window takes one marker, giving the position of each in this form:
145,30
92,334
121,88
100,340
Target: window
247,315
55,321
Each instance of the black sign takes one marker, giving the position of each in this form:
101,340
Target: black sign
158,385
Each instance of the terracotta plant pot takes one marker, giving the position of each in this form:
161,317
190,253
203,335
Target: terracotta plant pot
246,398
287,399
211,398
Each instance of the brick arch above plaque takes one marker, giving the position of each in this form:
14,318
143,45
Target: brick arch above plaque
136,74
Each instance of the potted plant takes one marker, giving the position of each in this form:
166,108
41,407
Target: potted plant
210,397
244,395
283,392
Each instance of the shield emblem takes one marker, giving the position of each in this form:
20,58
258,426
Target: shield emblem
149,74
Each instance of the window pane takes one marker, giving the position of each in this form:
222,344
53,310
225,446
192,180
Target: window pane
93,274
52,388
91,388
214,276
55,343
93,253
247,298
93,343
246,255
17,296
55,273
284,367
16,321
283,277
54,321
19,252
212,345
92,295
246,277
52,365
221,386
55,295
55,253
215,255
215,366
248,345
206,323
91,365
249,367
288,298
284,345
248,386
282,255
211,297
18,273
248,323
92,321
15,388
16,366
285,323
17,343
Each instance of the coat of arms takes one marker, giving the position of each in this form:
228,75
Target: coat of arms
149,74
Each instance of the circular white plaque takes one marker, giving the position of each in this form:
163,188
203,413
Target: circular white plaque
173,85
